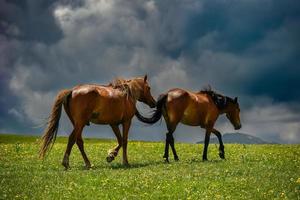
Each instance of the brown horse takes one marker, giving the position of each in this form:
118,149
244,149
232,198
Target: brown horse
113,104
194,109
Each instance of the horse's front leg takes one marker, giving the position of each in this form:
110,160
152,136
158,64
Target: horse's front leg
221,147
126,126
112,153
206,142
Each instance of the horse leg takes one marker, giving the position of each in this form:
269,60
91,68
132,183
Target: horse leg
80,145
170,141
206,142
112,153
221,147
71,142
166,155
126,126
173,148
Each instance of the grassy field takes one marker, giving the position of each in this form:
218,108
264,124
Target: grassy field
250,172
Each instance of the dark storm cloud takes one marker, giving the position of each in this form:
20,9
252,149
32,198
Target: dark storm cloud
262,39
241,24
21,22
279,83
245,48
33,19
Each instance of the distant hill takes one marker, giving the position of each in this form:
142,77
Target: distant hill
239,138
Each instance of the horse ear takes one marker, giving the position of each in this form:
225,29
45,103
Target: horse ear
145,78
235,100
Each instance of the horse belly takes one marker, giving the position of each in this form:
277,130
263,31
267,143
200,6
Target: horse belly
190,117
107,112
103,118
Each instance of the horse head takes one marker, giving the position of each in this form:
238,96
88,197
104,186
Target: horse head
233,112
142,91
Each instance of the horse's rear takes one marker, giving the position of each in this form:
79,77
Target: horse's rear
80,104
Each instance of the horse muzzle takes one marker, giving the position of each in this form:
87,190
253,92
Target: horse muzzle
238,127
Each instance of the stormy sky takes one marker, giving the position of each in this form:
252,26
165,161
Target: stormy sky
244,48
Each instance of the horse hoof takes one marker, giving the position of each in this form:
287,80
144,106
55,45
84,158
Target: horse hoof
112,152
66,165
110,158
222,155
204,160
67,168
176,159
167,160
87,167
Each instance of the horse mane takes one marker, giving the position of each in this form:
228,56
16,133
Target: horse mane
219,99
119,83
124,86
208,90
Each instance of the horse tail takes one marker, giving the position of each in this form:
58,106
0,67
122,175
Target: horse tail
50,132
157,113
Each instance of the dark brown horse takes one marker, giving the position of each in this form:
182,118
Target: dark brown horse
194,109
113,104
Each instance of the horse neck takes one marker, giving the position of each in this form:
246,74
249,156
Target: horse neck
131,99
135,90
225,110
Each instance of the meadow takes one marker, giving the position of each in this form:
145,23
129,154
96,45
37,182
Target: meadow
249,172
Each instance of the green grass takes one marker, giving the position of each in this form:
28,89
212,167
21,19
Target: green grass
250,172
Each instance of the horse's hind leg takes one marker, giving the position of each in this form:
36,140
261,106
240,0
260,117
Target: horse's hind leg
71,142
221,147
80,145
166,155
170,141
112,153
172,144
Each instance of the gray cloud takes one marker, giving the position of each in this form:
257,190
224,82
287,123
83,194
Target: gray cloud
32,18
239,47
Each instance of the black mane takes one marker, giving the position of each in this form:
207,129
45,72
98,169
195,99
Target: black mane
219,100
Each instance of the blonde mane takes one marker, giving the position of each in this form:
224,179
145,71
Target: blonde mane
128,87
119,83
